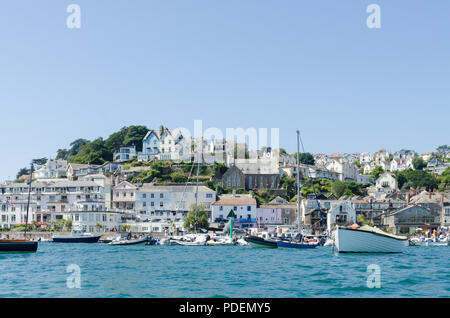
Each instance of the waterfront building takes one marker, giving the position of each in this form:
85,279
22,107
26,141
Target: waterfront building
124,196
49,200
277,212
171,202
409,219
243,206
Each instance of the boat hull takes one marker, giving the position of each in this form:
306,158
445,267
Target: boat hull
255,241
128,242
295,245
18,246
80,239
356,241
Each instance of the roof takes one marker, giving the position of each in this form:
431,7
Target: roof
235,201
149,187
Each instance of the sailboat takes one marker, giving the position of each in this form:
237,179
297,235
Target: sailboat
195,239
297,241
21,245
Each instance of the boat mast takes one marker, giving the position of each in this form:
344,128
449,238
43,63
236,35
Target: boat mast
196,190
28,203
298,180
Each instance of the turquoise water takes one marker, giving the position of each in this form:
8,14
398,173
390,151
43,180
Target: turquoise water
221,271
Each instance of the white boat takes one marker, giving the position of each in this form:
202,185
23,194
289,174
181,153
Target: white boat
367,239
191,240
226,240
423,241
119,240
242,242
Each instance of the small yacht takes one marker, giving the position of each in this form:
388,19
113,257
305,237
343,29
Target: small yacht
77,236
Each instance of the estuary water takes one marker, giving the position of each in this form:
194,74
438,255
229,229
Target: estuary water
221,271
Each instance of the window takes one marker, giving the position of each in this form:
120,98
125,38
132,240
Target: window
152,203
144,195
235,208
152,195
249,208
161,195
221,208
209,195
161,203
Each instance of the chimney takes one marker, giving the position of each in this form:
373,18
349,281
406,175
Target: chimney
408,196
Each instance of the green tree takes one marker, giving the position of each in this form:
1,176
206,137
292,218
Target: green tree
338,188
290,185
202,218
178,177
419,163
67,224
416,179
23,172
98,226
94,152
40,161
377,172
305,158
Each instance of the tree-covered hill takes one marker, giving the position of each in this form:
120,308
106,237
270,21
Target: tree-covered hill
101,150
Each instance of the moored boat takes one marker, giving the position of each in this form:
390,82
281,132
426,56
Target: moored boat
127,240
367,239
256,241
294,244
18,246
77,236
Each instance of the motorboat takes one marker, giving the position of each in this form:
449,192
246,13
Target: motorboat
7,245
127,240
221,240
191,240
367,239
77,236
297,241
256,241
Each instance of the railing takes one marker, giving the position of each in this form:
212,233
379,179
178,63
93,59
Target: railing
245,220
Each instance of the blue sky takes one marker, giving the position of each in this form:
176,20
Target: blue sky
312,65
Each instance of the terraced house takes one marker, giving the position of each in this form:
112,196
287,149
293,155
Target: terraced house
81,201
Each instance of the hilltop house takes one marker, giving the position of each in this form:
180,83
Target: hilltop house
125,154
53,168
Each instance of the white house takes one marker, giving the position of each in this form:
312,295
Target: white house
171,202
53,168
49,201
347,171
243,206
340,213
125,154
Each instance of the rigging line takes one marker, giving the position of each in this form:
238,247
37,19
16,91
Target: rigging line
310,179
185,187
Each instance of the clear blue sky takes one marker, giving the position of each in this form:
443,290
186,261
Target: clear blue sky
312,65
